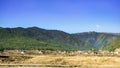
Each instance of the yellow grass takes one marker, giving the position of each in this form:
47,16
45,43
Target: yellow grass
80,61
104,61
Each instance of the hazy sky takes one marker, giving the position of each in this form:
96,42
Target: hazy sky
67,15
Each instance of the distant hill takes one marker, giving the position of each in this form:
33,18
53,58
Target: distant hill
38,38
96,39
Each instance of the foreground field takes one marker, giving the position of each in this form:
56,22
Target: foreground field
81,61
77,60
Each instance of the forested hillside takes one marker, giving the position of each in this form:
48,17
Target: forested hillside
113,45
42,39
96,39
37,38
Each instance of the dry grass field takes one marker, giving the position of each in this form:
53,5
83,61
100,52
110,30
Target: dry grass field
67,61
77,60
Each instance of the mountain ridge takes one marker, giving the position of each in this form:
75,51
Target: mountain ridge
54,39
61,39
96,39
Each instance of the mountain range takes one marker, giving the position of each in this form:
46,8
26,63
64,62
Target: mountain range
42,39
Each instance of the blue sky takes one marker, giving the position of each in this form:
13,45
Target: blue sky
71,16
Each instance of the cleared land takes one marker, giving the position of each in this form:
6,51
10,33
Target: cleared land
82,61
78,60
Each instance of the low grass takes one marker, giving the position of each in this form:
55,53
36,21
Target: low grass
78,60
81,61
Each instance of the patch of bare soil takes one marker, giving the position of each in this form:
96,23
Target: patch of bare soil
13,59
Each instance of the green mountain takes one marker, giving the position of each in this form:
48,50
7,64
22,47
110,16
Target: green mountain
113,45
42,39
37,38
97,40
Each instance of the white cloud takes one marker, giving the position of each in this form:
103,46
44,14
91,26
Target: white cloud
97,26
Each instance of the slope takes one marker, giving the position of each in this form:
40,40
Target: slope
37,38
97,40
113,45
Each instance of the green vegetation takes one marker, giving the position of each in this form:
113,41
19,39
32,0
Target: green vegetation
37,38
41,39
97,40
25,44
113,45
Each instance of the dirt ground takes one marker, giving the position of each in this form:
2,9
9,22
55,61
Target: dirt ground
80,61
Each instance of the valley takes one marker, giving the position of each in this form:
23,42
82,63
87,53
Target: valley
37,47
